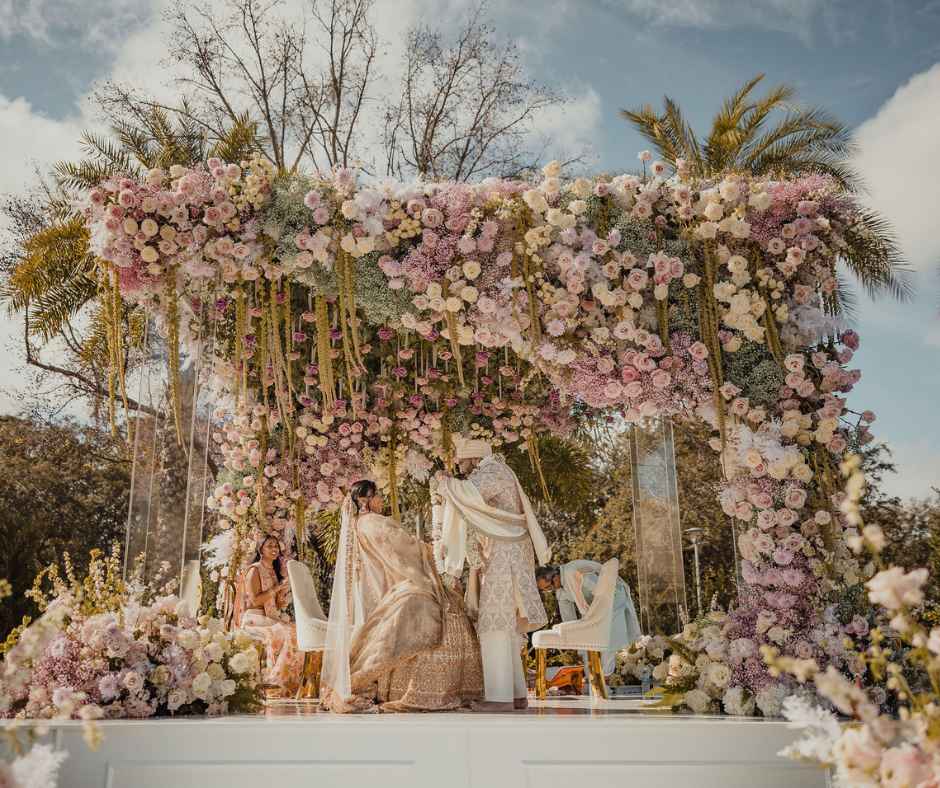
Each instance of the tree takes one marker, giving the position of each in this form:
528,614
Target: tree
743,137
64,489
466,108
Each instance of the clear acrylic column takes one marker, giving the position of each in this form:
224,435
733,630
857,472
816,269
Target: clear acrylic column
170,478
661,578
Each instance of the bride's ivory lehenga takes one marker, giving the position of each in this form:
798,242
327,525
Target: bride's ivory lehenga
408,644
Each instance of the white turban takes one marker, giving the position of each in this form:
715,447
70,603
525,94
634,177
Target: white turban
466,449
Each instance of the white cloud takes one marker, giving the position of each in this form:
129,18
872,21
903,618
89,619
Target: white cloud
899,158
571,128
99,23
31,139
788,16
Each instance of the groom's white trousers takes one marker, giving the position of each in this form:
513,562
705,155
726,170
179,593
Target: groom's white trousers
503,679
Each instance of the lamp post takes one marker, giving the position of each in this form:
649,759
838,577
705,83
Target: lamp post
694,535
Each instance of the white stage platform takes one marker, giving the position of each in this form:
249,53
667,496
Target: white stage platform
556,744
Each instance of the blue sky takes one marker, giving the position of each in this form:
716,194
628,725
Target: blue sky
874,63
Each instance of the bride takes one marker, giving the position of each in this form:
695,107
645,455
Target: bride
397,639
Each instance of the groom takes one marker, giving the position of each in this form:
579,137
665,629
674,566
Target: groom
487,521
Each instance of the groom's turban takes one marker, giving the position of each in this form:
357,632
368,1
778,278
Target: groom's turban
471,449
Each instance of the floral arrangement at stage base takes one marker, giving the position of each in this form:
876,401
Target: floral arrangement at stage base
106,649
897,750
35,766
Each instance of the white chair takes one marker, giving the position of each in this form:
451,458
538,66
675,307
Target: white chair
191,588
311,626
590,634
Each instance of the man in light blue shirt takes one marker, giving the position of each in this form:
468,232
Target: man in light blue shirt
574,584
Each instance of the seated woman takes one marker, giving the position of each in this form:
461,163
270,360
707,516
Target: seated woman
260,612
397,639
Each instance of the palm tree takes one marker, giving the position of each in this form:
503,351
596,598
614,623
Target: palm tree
772,137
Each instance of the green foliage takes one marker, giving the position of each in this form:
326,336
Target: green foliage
63,489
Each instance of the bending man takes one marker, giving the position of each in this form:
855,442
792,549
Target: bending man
573,584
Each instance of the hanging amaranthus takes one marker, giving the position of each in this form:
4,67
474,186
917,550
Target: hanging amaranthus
241,362
288,340
453,337
173,352
662,318
346,276
535,459
393,473
708,328
773,332
117,345
324,356
279,361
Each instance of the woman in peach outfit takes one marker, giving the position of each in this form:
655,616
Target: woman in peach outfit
261,613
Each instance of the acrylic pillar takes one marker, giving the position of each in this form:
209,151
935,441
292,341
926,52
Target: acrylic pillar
661,578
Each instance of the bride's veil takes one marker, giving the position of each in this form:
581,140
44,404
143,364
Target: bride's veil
336,675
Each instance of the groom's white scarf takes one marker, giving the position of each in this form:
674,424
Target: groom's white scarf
463,504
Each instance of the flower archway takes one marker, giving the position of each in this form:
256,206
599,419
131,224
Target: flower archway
357,327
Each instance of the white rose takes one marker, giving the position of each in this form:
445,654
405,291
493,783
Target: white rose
201,685
469,294
535,200
582,187
471,269
760,201
552,169
149,255
349,209
719,674
713,211
697,700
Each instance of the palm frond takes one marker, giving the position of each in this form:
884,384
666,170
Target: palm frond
54,277
724,136
651,126
239,141
872,254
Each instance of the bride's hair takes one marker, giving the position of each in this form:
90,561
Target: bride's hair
361,490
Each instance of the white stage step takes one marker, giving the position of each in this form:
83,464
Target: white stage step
562,744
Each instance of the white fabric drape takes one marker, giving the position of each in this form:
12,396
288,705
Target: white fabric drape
463,505
343,608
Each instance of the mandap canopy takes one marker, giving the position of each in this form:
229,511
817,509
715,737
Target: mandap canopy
349,329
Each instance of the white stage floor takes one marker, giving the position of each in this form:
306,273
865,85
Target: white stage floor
563,743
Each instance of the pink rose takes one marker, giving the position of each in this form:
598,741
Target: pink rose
628,375
633,390
785,517
698,351
763,500
637,279
661,379
743,511
795,498
782,557
904,767
766,520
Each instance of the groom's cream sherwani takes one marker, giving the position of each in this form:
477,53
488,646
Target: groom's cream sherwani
488,521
